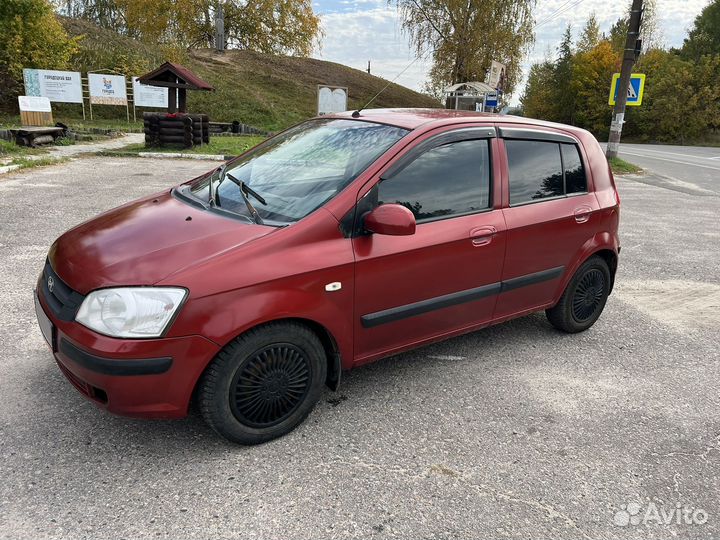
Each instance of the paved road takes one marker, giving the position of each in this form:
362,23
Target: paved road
516,431
689,168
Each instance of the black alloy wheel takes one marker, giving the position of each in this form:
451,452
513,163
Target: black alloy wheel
589,295
270,385
264,383
584,298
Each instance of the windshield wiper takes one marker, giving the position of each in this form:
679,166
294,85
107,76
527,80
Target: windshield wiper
244,190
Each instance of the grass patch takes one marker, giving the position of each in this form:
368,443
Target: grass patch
219,146
10,149
620,166
29,163
12,121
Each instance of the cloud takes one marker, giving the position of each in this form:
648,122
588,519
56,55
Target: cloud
360,30
374,33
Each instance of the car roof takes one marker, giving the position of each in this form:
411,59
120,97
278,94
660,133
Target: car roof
414,118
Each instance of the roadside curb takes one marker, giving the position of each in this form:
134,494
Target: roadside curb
176,155
8,168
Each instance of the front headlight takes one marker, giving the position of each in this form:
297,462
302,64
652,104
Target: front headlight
130,312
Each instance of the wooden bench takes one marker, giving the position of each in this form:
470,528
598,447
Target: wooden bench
34,136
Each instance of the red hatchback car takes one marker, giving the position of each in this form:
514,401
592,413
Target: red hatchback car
337,242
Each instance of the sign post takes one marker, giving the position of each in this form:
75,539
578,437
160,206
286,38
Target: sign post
331,99
496,75
145,95
35,111
107,89
635,90
57,86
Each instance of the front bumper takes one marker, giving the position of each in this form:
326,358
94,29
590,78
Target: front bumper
151,378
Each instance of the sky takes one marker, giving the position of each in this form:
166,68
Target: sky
360,30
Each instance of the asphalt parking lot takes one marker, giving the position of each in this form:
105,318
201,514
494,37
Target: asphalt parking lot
515,431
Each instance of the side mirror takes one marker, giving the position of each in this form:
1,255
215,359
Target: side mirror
391,219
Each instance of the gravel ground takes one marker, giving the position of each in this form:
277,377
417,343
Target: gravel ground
514,431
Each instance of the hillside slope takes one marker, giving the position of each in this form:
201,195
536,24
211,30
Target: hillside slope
267,91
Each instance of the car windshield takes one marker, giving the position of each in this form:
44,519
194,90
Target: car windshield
300,169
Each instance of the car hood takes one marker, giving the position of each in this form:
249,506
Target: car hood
144,241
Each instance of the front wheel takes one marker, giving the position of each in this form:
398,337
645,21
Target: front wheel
264,383
584,297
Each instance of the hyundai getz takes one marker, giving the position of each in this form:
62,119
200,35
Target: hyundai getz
339,241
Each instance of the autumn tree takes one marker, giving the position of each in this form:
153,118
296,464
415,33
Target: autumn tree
592,71
30,37
464,36
270,26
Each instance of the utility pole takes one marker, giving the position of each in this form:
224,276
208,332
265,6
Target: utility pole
629,57
219,26
368,69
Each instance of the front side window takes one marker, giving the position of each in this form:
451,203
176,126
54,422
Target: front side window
300,170
447,180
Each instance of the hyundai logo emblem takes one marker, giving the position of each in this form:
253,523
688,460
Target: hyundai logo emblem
51,284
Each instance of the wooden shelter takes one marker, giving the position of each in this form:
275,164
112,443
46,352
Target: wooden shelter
178,79
176,127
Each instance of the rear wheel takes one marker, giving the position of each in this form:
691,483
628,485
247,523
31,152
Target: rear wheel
264,383
584,298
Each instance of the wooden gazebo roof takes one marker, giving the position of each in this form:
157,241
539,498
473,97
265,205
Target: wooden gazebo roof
171,75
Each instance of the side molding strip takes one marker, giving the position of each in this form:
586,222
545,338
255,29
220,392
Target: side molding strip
424,306
532,279
453,299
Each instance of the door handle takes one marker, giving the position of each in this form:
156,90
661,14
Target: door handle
582,214
482,236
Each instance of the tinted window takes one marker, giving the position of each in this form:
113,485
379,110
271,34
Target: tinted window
535,170
575,181
446,180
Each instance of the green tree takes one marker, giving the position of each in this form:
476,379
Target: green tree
464,36
675,106
31,37
704,37
618,35
590,35
537,100
564,99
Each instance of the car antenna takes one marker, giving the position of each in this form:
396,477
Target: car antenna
356,114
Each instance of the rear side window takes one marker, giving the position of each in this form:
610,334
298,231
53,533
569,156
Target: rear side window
446,180
543,169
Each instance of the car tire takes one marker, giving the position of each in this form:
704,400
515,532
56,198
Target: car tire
264,383
584,298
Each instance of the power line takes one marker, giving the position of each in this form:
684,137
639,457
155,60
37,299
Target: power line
558,12
552,14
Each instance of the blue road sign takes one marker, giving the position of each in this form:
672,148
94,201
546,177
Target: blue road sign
635,90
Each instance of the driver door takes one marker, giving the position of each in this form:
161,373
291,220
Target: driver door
444,278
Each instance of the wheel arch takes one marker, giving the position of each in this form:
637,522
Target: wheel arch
611,259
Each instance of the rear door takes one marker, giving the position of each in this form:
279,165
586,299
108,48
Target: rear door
550,212
446,276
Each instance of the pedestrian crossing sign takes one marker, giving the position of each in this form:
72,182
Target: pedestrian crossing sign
635,89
